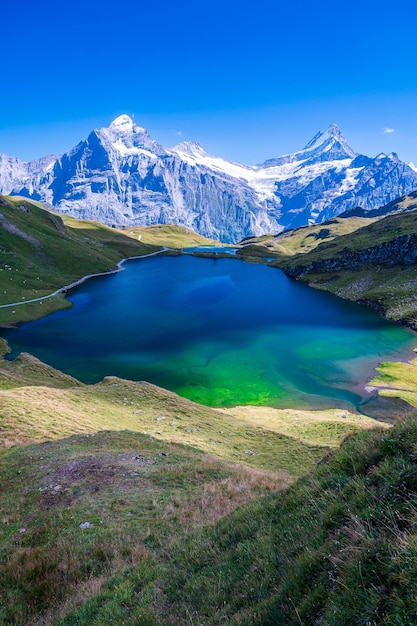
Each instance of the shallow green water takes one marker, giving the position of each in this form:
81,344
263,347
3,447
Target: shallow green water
218,331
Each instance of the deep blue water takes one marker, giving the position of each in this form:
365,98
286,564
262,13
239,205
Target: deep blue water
218,331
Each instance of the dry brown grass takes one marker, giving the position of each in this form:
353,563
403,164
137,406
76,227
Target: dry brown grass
217,499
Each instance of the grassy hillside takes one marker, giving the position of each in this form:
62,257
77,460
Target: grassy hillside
41,251
353,267
397,380
170,235
40,403
130,527
301,240
338,547
369,260
101,482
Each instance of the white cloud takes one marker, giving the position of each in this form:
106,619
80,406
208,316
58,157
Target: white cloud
179,133
387,130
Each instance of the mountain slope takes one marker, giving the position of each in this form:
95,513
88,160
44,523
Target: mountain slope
41,251
130,528
303,239
95,516
375,265
120,175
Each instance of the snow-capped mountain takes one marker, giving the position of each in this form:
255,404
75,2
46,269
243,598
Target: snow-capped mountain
120,175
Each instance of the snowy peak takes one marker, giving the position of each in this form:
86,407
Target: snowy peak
128,138
331,134
120,175
124,127
326,146
123,123
330,143
192,148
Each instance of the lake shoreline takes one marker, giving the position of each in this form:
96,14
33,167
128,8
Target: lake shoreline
80,281
369,393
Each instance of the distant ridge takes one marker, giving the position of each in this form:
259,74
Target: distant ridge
119,175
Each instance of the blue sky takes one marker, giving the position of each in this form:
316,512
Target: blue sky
248,80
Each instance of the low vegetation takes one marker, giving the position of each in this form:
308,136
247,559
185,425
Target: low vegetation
170,235
129,528
102,484
40,404
301,240
397,380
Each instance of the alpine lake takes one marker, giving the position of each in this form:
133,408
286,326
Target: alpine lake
218,331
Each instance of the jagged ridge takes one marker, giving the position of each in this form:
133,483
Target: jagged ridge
120,175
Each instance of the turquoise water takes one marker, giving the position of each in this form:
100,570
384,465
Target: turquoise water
217,331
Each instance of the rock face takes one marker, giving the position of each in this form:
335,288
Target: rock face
120,175
401,250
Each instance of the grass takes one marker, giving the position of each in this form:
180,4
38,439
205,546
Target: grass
368,235
113,455
338,547
301,240
173,536
170,235
41,251
55,408
134,496
167,520
398,380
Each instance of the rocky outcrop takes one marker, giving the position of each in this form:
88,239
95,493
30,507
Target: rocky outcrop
400,251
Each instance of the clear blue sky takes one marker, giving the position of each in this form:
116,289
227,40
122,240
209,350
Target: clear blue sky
248,80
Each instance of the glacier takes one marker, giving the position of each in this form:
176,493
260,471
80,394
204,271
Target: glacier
120,176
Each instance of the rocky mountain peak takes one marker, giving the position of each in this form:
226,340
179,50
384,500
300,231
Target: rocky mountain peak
331,134
191,148
126,136
331,142
123,124
120,175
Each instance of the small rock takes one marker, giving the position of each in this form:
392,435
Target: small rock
249,452
21,530
86,525
137,411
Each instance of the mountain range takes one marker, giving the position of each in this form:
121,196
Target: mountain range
120,176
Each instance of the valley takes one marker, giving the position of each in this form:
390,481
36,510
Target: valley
123,502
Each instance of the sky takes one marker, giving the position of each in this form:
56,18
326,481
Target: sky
248,80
